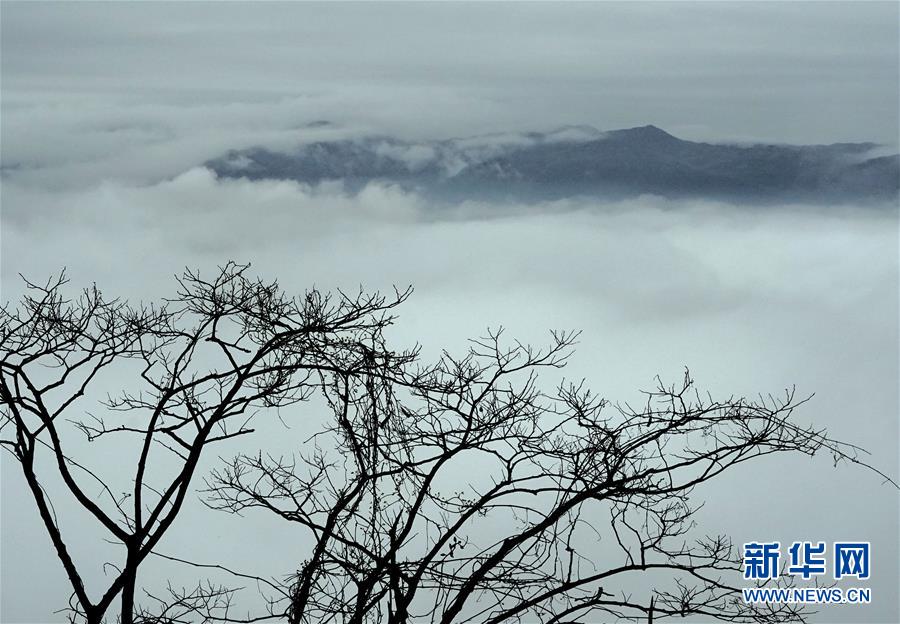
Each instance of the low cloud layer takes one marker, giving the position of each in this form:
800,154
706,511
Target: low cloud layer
751,300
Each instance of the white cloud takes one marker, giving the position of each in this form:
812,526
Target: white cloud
752,300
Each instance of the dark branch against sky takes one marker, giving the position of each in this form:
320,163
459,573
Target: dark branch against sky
110,110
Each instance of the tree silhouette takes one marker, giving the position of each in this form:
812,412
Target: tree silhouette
467,493
203,364
461,491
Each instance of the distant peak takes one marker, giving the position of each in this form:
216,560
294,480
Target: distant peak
648,131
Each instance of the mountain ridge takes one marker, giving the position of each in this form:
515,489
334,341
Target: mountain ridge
575,161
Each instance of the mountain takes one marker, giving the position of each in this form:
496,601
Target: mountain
583,161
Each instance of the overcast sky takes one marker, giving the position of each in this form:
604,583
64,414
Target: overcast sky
110,109
792,72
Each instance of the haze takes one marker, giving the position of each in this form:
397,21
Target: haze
109,111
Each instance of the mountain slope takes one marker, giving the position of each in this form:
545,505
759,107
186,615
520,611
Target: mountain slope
582,161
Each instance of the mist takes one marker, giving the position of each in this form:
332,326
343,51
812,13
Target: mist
110,112
751,300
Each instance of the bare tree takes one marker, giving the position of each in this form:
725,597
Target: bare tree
466,490
201,366
467,493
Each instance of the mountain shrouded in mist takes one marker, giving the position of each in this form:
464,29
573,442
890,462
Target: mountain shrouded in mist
583,161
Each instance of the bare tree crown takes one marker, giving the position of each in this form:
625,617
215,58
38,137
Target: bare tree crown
208,359
460,491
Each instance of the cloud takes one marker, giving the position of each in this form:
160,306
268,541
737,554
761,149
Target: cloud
103,142
752,300
80,140
89,92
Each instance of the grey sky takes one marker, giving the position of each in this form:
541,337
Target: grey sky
108,109
793,72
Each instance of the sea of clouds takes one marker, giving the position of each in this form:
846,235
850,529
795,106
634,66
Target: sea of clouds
752,300
102,152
